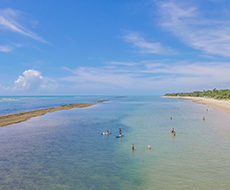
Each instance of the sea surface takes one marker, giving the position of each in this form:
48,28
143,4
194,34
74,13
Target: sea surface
65,149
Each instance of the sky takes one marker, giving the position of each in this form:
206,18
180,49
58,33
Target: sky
122,47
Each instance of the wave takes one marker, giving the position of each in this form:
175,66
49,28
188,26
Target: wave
9,99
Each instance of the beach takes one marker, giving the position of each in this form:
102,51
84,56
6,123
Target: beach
223,105
23,116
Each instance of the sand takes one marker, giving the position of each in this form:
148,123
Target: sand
23,116
223,105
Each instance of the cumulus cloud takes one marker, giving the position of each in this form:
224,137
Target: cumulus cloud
33,80
147,47
10,20
196,29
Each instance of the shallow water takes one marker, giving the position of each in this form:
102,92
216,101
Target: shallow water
65,150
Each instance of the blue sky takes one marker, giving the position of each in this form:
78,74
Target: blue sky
123,47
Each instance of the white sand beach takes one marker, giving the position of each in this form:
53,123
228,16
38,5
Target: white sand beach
223,105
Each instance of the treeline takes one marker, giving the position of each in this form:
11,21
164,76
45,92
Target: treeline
217,94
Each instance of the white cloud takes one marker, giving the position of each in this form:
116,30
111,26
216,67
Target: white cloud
5,49
152,77
9,21
30,77
213,72
121,63
32,80
212,36
147,47
104,75
192,76
21,83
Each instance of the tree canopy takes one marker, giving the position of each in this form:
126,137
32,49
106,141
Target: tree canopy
217,94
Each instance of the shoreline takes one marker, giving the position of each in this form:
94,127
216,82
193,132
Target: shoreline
24,116
223,105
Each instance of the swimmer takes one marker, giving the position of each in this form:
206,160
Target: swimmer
149,147
171,118
173,130
203,118
133,147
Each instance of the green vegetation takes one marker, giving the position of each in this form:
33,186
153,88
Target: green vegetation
217,94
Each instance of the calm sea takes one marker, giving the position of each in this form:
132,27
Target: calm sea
65,149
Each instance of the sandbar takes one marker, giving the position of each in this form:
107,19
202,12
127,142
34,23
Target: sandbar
23,116
223,105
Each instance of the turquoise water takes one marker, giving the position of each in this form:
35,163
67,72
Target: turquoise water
65,150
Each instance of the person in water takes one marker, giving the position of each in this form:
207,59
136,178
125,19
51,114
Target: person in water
173,132
107,132
133,147
120,130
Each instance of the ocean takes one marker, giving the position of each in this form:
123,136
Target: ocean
65,149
